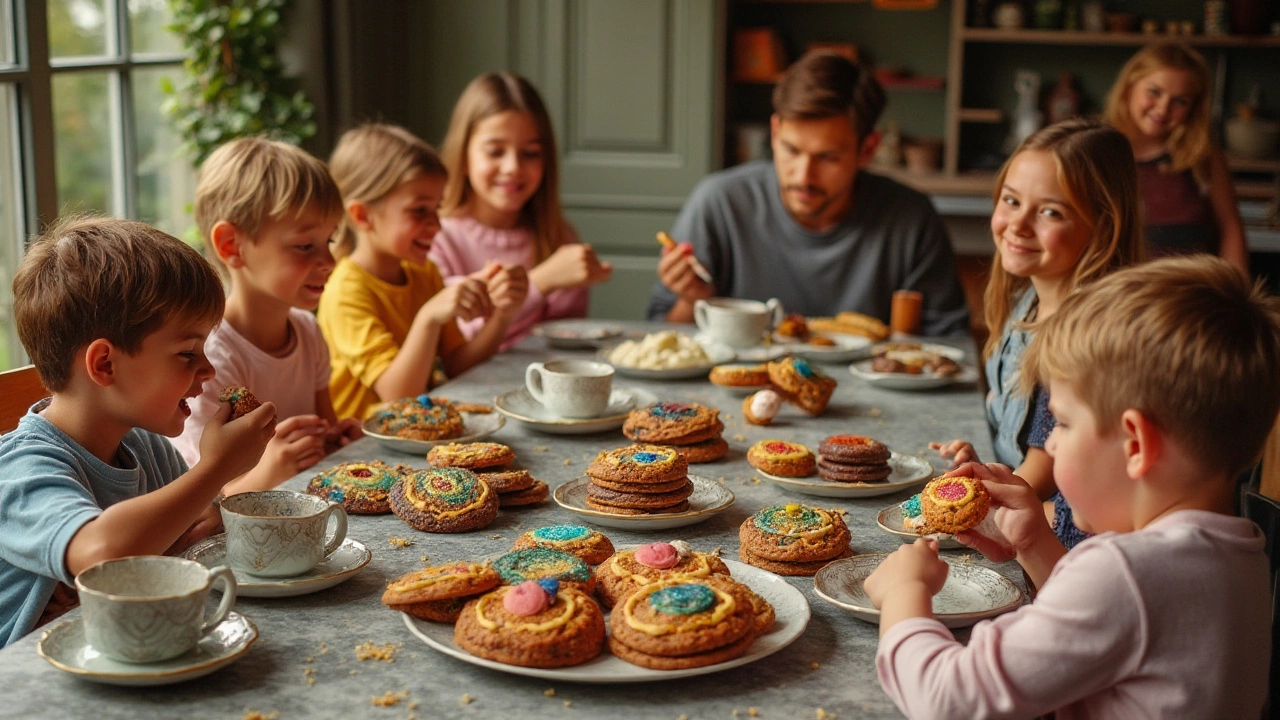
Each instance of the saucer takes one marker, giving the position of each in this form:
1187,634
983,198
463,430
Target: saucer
475,427
709,497
890,520
65,647
576,334
520,405
342,564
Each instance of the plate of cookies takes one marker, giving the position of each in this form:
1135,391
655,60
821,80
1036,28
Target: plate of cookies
634,511
414,425
846,466
971,593
914,366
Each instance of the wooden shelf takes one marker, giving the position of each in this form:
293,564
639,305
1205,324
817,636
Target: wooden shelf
1255,190
1072,37
940,183
981,115
1239,164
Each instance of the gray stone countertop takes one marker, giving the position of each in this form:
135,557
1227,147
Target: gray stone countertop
830,666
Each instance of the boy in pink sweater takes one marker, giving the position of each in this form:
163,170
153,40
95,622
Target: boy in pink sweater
1162,380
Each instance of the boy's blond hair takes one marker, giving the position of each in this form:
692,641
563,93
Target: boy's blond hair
251,180
370,162
1187,341
97,277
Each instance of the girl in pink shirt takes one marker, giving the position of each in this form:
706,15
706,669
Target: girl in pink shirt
502,204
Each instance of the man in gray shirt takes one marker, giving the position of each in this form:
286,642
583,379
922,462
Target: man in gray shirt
813,229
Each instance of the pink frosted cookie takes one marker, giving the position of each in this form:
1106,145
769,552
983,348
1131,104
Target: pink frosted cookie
761,407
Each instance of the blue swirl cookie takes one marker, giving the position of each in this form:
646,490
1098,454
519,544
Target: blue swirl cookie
418,418
590,546
793,533
541,563
683,622
362,488
444,500
639,464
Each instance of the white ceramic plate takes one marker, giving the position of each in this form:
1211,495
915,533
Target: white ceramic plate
519,405
789,606
709,497
890,520
717,354
907,381
846,348
972,592
342,564
65,647
475,427
576,334
907,471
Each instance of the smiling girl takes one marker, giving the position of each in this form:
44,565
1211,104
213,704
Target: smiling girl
502,203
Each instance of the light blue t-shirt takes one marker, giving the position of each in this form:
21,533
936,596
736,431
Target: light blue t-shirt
50,487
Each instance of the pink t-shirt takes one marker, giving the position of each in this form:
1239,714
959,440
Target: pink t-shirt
1171,621
464,245
291,380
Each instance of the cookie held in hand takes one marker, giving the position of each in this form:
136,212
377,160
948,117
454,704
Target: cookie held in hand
242,400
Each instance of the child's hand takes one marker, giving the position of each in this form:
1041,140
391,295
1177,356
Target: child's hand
675,270
571,265
466,300
508,287
1017,513
916,565
341,434
959,451
234,447
297,445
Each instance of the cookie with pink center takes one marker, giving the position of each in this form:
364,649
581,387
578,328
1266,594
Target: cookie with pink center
629,570
782,458
537,623
951,504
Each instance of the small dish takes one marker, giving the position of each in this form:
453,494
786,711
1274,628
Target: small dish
342,564
475,427
890,520
764,352
846,348
717,354
971,593
907,471
791,612
65,647
519,405
576,334
907,381
709,497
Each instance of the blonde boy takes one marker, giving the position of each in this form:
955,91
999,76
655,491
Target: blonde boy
1163,380
114,315
267,210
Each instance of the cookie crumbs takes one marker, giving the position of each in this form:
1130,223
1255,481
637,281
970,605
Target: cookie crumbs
879,423
755,480
568,703
735,712
424,559
413,706
310,659
549,692
874,412
311,681
308,671
495,537
813,665
400,542
541,448
369,651
255,715
717,551
324,649
739,438
753,712
727,417
824,715
720,480
389,698
353,672
568,461
465,699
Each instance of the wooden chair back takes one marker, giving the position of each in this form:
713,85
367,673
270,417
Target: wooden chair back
1266,513
19,390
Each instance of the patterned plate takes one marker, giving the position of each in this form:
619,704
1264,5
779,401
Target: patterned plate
890,520
709,497
972,592
908,471
475,427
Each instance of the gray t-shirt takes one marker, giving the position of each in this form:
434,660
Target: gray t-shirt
892,240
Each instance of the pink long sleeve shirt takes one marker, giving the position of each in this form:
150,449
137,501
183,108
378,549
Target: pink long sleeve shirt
464,245
1171,621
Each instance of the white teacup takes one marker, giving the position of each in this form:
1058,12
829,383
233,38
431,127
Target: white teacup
280,533
571,388
150,608
737,323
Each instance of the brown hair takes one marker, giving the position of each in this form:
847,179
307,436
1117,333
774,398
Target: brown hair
492,94
370,162
96,277
1189,145
1098,175
823,84
251,180
1187,341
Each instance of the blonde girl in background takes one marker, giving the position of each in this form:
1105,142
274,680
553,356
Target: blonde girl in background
502,204
1066,215
386,313
1160,102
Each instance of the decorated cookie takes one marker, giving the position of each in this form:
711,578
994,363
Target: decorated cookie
444,500
739,375
532,495
794,533
802,384
590,546
672,423
541,563
853,449
953,504
913,515
472,456
683,622
628,570
438,593
639,464
779,457
533,624
242,400
418,418
362,488
505,481
762,407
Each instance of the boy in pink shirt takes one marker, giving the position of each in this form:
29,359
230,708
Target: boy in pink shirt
1162,380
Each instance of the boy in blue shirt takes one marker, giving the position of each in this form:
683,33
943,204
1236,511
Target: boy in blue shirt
114,314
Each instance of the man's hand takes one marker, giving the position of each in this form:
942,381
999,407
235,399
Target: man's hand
676,271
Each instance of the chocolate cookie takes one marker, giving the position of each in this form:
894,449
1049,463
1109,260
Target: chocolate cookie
444,500
242,400
639,501
639,464
794,533
567,630
505,481
779,457
471,456
802,384
590,546
643,488
705,451
542,564
626,571
664,421
532,495
854,449
362,488
418,418
953,504
840,472
680,507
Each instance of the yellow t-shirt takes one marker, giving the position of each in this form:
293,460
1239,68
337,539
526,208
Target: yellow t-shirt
365,320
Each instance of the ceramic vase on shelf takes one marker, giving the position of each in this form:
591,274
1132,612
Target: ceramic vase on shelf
1008,15
1026,118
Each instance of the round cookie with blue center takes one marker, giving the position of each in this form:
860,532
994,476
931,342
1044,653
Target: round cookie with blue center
444,500
673,423
793,533
639,464
418,418
588,545
801,383
541,563
683,622
362,488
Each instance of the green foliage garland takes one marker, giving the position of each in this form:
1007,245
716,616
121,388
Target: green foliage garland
234,84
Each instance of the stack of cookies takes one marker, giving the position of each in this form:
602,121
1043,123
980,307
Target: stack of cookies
438,593
683,622
801,384
691,429
490,461
639,480
793,539
853,459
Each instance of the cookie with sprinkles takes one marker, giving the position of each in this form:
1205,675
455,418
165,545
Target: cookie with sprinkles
591,546
639,464
666,422
794,533
913,515
682,618
242,400
782,458
629,570
534,624
444,500
801,383
853,449
472,456
541,563
438,593
532,495
362,488
952,504
418,418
